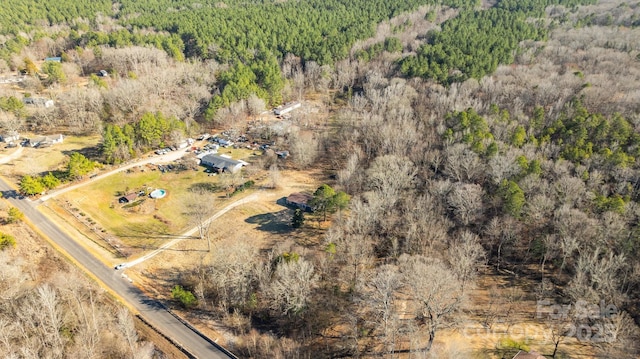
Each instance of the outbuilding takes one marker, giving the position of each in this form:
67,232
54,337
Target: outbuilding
128,198
287,108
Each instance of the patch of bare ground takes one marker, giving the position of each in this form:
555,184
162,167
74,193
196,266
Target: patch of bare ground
503,307
264,223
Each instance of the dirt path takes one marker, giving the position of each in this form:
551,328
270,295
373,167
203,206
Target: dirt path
190,233
169,157
13,156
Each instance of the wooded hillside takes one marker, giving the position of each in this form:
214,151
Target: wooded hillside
481,162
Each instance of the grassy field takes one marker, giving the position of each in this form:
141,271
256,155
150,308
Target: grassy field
35,161
147,222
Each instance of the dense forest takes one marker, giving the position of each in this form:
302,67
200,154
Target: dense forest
464,141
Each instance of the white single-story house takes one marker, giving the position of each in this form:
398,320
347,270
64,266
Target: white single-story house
10,136
287,108
38,102
46,141
224,164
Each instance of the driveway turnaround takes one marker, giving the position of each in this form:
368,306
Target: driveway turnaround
155,313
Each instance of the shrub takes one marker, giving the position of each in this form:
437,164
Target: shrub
243,187
185,297
15,215
6,241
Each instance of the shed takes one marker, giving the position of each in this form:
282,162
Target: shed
128,198
53,59
223,164
300,200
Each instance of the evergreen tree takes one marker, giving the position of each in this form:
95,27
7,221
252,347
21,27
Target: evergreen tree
298,218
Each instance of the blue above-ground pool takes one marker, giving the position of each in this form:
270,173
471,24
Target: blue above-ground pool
158,193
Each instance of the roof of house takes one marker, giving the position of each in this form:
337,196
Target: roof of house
44,139
220,162
299,198
38,101
131,196
530,355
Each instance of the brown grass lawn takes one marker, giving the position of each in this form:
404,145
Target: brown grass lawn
153,221
35,161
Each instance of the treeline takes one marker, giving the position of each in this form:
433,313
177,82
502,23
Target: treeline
261,77
120,143
251,36
21,16
315,30
474,43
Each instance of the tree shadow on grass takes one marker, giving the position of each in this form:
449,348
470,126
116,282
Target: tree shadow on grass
203,187
93,153
275,222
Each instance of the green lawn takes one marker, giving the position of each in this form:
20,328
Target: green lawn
155,220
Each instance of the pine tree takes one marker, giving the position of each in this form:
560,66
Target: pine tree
298,218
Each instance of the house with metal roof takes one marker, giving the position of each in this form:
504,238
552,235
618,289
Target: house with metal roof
221,163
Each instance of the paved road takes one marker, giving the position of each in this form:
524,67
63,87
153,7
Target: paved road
151,310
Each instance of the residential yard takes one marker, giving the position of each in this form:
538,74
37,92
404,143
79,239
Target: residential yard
35,161
145,223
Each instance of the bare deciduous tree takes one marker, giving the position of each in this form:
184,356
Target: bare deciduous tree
436,291
381,297
304,148
466,202
290,288
255,105
201,204
231,273
465,255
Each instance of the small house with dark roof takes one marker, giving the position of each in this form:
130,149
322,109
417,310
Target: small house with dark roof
300,200
128,198
220,163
